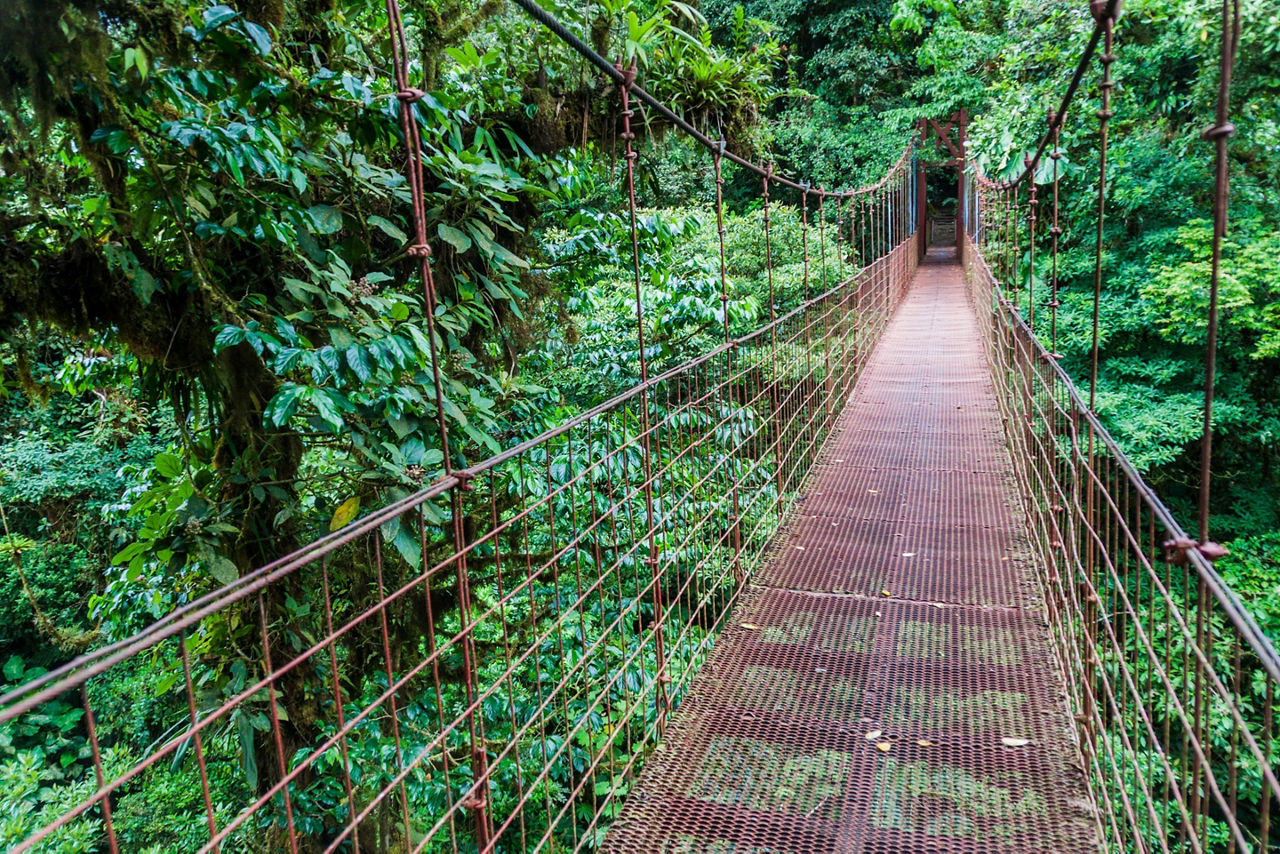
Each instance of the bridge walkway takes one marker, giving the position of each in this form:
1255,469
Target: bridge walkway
887,683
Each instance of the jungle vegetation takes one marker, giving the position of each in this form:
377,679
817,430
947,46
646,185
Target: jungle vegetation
212,340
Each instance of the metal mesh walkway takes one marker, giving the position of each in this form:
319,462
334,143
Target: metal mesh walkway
887,684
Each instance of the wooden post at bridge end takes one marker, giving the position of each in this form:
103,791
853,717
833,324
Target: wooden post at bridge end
941,133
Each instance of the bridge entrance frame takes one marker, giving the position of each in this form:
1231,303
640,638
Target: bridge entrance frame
949,136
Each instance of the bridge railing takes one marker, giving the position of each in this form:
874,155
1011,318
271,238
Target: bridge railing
483,665
1171,681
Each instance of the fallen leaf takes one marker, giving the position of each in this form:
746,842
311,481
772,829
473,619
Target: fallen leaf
752,626
874,734
938,605
874,491
1015,742
883,746
799,548
908,554
885,593
924,742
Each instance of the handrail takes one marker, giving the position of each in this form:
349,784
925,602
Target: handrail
25,697
1239,615
1117,607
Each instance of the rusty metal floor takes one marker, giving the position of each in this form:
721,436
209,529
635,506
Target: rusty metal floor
887,684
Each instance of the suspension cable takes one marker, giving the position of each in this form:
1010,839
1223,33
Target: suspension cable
1220,133
1031,255
627,76
1105,13
1055,233
611,71
420,248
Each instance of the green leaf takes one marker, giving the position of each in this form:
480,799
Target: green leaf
14,668
360,363
260,37
196,205
309,244
325,219
244,728
168,466
228,336
165,683
284,404
498,252
454,237
141,63
403,426
413,451
389,228
328,408
233,169
406,542
216,16
221,568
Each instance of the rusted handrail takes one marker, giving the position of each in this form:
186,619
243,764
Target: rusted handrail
1165,667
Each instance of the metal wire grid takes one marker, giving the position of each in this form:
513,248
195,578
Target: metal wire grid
498,693
887,685
1172,683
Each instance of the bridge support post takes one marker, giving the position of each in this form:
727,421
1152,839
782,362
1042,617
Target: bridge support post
962,120
922,199
477,801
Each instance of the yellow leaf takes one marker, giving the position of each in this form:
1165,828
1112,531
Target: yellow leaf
346,511
752,626
1016,742
924,742
885,593
883,746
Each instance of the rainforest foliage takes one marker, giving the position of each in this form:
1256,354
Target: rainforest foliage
213,341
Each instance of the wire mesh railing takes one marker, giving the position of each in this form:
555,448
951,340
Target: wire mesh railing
1171,682
485,665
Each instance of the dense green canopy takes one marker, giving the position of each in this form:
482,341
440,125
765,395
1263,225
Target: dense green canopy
212,339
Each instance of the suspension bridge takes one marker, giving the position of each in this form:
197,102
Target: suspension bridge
870,578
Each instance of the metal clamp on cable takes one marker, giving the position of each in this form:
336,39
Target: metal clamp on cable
465,476
1176,549
628,73
1214,132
